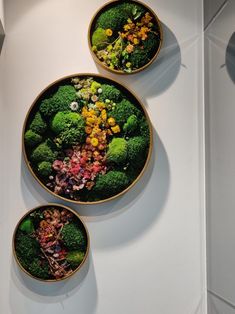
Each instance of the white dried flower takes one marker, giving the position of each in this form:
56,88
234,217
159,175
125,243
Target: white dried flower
74,106
100,90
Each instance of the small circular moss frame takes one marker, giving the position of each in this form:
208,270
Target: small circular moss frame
125,37
24,243
113,180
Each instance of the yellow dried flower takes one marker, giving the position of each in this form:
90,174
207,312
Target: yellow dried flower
94,142
111,121
104,115
116,129
108,32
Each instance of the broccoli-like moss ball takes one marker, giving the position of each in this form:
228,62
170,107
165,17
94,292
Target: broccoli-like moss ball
73,237
60,101
44,168
123,110
99,38
136,147
63,121
75,258
39,269
43,152
27,226
38,125
110,92
71,137
31,138
131,125
117,151
26,248
116,17
111,183
144,129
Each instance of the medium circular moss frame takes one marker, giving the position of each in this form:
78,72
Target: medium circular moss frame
91,28
52,205
111,81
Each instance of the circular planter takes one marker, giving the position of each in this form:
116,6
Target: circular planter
125,37
50,243
116,150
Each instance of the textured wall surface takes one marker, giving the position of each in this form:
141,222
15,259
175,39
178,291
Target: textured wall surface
220,129
147,247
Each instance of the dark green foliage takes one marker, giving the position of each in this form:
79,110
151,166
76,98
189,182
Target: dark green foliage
99,38
27,226
44,168
26,248
111,183
73,237
39,269
38,125
144,129
31,138
116,17
141,56
131,125
110,92
63,121
60,101
71,136
136,147
117,151
75,258
123,111
43,153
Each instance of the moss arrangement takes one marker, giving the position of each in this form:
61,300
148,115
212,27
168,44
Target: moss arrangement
87,138
125,36
50,243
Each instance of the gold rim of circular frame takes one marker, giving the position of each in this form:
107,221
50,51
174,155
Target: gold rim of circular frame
96,59
149,150
46,206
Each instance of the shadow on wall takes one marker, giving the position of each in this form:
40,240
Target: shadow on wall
83,281
230,57
160,75
132,220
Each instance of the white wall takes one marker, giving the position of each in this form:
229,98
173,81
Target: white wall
2,11
211,7
220,130
148,247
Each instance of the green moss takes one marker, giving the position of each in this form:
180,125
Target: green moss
38,125
32,139
117,151
26,248
116,17
43,152
94,87
136,147
63,121
27,226
75,258
99,38
73,237
131,125
45,168
39,269
60,101
139,57
111,183
123,111
72,136
110,92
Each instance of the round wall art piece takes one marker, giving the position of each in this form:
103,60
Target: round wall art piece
125,36
87,139
50,242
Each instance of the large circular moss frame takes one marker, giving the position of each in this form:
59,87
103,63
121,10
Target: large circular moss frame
91,28
51,205
114,82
